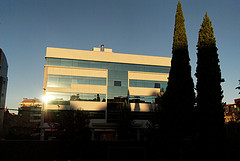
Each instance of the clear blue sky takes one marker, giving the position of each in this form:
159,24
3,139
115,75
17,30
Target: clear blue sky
127,26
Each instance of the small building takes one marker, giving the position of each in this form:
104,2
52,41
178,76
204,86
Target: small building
232,111
30,110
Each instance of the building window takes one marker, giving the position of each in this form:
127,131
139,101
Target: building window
147,84
117,83
66,81
157,85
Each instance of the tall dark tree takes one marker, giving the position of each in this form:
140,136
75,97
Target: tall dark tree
209,92
178,100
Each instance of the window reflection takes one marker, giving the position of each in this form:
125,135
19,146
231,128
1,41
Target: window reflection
58,98
106,65
147,84
156,85
117,80
142,99
132,99
66,81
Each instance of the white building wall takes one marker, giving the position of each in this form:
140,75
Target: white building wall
73,71
148,76
107,56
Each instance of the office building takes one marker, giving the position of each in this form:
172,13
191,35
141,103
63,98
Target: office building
100,80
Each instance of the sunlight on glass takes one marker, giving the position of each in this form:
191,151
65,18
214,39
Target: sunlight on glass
45,98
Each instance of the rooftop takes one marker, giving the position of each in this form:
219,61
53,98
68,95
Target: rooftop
108,56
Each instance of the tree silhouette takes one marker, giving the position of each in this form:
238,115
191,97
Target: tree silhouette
209,92
156,124
238,86
125,123
73,125
178,100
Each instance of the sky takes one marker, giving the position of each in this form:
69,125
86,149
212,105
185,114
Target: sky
144,27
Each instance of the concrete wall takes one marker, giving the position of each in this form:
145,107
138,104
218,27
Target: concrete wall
141,107
74,71
148,76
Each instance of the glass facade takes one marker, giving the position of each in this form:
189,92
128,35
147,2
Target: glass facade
57,98
117,81
142,99
117,85
148,84
66,81
106,65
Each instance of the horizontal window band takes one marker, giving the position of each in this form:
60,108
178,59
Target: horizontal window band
65,98
106,65
82,77
66,81
147,83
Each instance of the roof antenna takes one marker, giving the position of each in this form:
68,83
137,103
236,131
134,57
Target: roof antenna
102,47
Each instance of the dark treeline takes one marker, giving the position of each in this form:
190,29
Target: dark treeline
192,128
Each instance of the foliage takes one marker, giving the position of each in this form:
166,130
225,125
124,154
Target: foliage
156,124
180,37
209,92
157,112
178,100
238,102
73,125
233,130
17,128
206,35
125,123
238,86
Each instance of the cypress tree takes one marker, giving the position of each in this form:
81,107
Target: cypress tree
209,92
178,100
